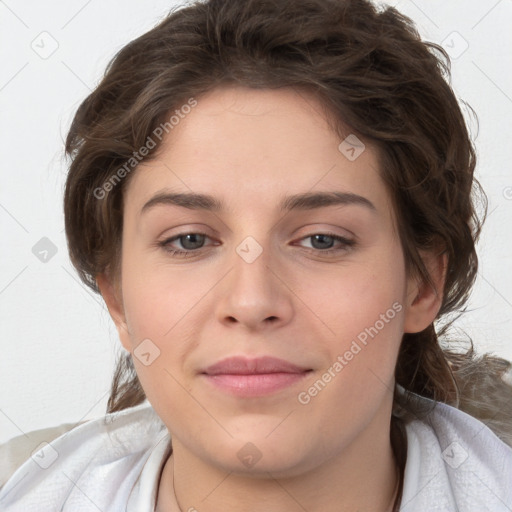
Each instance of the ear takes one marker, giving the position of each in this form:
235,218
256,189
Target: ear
423,302
113,299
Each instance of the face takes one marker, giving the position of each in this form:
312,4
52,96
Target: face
265,319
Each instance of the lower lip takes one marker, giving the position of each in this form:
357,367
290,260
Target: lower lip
255,384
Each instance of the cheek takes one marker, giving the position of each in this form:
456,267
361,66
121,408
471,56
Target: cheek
360,358
158,316
158,300
363,308
349,302
161,308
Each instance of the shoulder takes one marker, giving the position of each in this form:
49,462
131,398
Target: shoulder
455,460
96,462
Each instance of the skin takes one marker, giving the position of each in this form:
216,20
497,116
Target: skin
250,148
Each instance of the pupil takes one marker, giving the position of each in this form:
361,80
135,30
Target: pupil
195,239
322,238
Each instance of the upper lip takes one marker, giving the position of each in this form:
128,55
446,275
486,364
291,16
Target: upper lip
253,366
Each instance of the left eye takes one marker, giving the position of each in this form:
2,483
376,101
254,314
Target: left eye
321,241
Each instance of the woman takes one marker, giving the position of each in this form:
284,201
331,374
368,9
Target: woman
275,201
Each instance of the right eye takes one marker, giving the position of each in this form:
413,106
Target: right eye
190,242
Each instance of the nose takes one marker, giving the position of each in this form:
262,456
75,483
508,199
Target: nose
254,293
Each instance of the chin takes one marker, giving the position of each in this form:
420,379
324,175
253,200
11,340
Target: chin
261,456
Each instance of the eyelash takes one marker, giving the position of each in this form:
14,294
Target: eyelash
347,244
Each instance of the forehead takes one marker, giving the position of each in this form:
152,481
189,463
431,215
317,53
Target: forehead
252,147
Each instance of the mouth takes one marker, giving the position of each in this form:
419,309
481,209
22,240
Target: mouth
260,376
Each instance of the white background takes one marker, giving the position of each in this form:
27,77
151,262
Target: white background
58,342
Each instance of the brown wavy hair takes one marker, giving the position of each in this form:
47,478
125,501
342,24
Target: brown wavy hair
370,71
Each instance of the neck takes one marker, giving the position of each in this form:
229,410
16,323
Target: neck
361,477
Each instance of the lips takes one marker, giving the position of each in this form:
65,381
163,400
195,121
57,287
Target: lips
260,365
244,377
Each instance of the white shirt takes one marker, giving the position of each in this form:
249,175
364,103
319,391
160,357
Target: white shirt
454,464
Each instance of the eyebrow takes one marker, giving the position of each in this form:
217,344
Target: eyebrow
304,201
